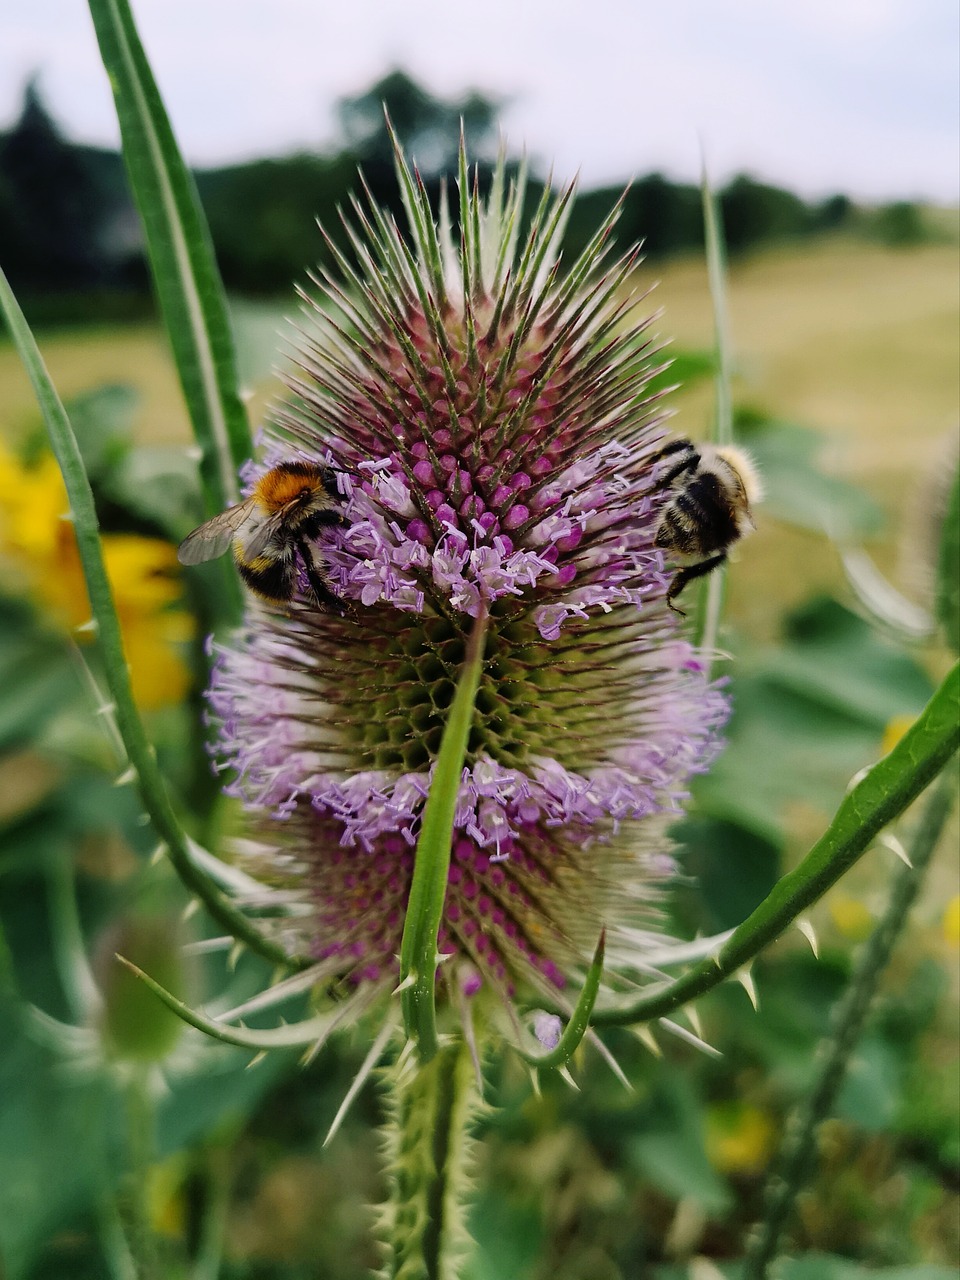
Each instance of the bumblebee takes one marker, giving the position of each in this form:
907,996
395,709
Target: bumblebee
711,490
289,506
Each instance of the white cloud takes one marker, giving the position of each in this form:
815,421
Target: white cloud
860,94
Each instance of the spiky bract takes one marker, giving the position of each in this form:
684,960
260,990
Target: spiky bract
498,447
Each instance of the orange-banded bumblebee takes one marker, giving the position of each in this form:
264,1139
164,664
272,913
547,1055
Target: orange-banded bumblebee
289,506
712,488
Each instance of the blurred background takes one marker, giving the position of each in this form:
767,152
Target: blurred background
830,131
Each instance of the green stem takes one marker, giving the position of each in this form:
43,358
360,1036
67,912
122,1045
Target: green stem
579,1021
876,800
847,1022
418,949
431,1105
717,275
140,1145
113,1241
139,750
218,1162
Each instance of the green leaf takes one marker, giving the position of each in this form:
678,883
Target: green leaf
818,706
685,368
158,485
54,1139
870,1095
880,796
798,492
734,868
103,422
669,1152
181,257
834,657
421,926
822,1266
36,675
509,1236
948,569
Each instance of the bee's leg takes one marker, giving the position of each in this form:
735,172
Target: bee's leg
329,519
319,583
690,574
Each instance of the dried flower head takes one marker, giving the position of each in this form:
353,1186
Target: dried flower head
499,455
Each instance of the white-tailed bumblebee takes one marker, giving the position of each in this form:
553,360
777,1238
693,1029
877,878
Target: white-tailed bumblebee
712,489
289,506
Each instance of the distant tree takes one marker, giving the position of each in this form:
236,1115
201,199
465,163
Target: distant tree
666,216
52,208
832,213
263,216
753,211
428,127
899,224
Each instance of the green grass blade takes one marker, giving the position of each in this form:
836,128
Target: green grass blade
181,257
879,797
139,750
713,589
418,948
717,276
948,569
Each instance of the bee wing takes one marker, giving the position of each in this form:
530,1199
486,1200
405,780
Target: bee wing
214,537
260,538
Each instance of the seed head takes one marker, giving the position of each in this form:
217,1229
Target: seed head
498,450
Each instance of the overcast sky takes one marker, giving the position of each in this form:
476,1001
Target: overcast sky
820,95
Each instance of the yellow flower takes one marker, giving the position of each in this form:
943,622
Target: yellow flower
38,555
850,916
951,922
894,731
739,1137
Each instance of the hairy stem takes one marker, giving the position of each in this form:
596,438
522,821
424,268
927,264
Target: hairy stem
431,1105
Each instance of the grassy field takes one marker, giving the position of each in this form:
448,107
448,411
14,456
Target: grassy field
856,340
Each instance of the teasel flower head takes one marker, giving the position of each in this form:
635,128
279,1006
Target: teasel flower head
488,414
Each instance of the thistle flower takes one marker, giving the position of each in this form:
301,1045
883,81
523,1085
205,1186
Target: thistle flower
498,450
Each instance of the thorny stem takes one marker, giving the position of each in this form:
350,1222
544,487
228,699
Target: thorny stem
847,1022
428,1141
875,801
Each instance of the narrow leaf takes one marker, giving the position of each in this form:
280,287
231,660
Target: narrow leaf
712,591
139,750
293,1035
948,571
418,948
181,255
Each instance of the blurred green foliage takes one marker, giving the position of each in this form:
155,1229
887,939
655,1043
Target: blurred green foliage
600,1183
